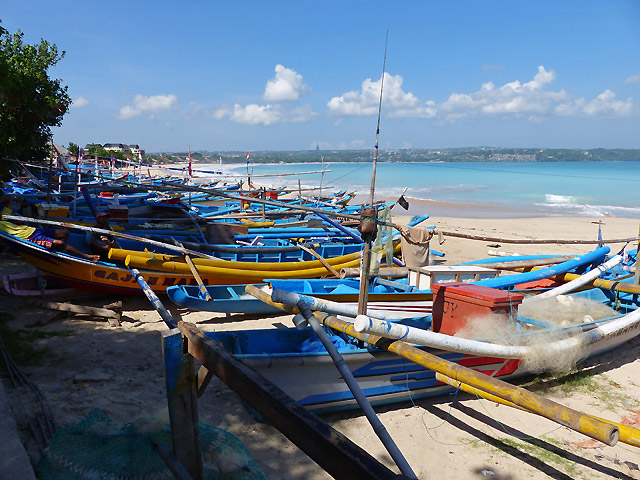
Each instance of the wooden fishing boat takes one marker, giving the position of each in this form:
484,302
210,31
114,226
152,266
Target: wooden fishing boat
384,297
290,357
410,297
224,299
162,271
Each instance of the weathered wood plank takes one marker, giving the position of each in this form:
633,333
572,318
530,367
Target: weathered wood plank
183,403
82,309
334,452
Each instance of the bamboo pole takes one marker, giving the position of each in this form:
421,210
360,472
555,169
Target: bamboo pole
521,241
266,298
628,434
327,265
580,422
203,289
366,253
125,236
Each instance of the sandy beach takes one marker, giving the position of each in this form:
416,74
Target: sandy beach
120,370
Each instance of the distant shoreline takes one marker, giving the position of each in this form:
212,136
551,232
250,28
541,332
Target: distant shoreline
462,210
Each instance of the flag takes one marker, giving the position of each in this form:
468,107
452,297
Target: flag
247,159
403,202
190,171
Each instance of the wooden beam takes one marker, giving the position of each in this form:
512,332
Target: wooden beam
335,453
113,316
183,403
319,257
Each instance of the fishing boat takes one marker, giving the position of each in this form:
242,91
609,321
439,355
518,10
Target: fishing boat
290,357
162,271
384,296
409,297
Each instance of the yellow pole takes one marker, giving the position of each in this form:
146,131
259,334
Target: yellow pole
568,417
615,285
194,271
629,435
266,298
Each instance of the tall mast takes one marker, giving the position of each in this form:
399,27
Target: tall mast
368,215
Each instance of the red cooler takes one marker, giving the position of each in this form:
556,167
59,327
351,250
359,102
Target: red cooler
454,304
119,213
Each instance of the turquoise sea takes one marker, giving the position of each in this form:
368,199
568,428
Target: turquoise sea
506,189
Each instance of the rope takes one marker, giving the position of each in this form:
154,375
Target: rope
535,241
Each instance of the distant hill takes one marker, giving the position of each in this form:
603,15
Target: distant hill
475,154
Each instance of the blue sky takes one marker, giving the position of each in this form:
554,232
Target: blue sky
290,75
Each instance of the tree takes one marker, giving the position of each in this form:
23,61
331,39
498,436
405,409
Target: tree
73,148
31,102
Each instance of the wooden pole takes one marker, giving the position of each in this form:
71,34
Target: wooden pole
168,246
183,404
194,271
628,434
366,253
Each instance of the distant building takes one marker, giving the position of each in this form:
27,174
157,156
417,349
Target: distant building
121,147
115,147
135,149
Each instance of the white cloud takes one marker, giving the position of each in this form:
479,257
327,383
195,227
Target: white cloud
534,100
286,86
250,114
632,79
79,102
605,105
254,114
513,98
366,101
152,104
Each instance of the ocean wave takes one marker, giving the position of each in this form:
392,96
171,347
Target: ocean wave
571,205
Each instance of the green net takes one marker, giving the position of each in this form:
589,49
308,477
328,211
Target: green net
383,243
98,448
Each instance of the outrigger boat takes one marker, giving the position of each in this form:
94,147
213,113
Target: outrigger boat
390,299
289,357
384,296
162,271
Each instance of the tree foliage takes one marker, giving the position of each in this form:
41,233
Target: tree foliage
73,148
31,102
100,151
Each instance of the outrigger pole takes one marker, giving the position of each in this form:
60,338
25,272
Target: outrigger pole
368,215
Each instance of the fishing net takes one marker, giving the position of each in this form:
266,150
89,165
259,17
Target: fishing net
383,244
99,448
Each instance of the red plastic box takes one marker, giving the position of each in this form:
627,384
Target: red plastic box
119,213
454,304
